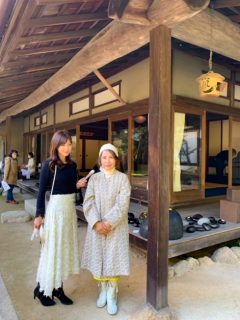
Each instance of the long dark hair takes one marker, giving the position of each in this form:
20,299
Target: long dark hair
59,138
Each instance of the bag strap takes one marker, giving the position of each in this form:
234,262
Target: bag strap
55,171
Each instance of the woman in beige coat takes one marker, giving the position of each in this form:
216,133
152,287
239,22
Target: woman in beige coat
11,174
106,250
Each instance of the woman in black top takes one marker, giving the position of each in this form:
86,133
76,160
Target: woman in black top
59,254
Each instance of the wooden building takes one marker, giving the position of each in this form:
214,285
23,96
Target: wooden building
125,71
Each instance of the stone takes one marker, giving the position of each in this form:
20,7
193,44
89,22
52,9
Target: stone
30,206
236,251
225,255
182,267
148,313
205,261
193,262
15,216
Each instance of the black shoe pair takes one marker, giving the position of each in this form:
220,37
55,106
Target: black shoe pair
47,301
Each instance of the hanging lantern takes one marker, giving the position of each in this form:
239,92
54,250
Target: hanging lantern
211,83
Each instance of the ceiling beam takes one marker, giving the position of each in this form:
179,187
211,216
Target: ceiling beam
51,2
108,86
16,84
13,74
133,11
61,20
41,60
58,36
47,49
217,4
224,40
23,10
13,94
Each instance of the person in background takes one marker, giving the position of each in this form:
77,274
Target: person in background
29,168
11,174
105,206
221,160
59,255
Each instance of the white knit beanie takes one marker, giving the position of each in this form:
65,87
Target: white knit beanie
108,146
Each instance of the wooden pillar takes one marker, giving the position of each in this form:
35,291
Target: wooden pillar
159,164
8,134
232,89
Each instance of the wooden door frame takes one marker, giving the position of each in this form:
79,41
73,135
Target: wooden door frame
188,195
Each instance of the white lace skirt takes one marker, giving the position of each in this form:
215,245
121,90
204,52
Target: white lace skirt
59,255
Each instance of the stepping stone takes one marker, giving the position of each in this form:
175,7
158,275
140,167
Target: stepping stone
15,216
30,206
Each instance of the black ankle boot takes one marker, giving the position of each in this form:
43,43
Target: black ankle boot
46,301
59,293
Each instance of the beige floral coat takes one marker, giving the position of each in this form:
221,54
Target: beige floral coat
107,197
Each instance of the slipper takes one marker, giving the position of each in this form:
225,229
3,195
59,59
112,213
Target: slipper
221,221
203,220
206,226
190,229
197,216
189,218
214,225
212,220
200,228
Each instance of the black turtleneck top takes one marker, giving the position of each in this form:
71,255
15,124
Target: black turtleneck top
65,183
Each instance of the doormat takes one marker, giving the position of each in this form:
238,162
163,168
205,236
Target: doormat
7,311
214,192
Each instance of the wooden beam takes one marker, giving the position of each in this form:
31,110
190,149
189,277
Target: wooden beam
217,4
42,60
6,8
10,85
60,20
9,82
19,77
224,40
58,36
48,49
116,8
27,90
19,8
130,11
30,70
57,2
161,11
22,11
145,12
159,166
108,86
14,94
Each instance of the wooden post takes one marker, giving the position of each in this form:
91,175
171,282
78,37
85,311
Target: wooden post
8,134
159,164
